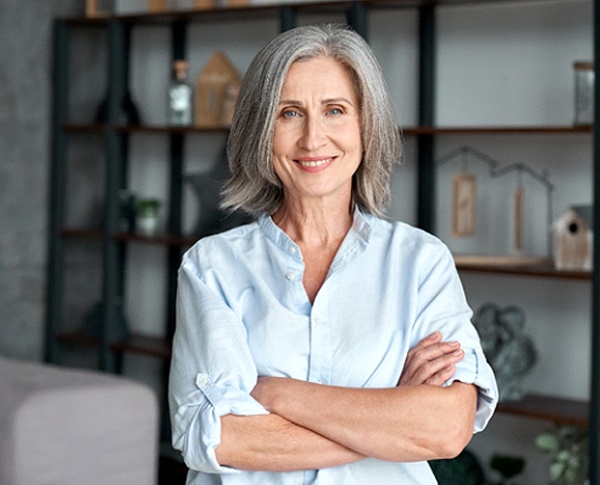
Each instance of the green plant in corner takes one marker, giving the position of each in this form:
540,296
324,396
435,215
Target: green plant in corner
567,448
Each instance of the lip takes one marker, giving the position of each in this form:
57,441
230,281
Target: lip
314,164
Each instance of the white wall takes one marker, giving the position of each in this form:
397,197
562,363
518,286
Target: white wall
507,64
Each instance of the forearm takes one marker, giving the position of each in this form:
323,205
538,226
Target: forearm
409,423
272,443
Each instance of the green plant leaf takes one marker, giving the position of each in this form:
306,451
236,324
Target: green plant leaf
557,470
548,442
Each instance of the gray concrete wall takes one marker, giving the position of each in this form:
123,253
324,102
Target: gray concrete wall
25,54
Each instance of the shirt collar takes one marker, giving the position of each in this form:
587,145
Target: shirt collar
361,229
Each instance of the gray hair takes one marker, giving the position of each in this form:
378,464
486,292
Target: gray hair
253,185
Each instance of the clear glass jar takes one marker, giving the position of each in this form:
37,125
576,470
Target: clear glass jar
584,93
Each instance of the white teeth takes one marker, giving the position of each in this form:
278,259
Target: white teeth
317,163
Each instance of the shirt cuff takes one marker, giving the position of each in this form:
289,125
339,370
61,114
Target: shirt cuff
198,422
474,369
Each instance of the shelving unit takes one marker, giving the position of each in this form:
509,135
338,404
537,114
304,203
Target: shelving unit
114,243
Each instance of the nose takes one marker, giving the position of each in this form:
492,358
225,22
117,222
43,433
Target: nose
313,134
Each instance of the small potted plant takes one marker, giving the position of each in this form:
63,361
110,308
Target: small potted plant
147,216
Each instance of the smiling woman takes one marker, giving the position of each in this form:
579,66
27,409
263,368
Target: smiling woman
321,344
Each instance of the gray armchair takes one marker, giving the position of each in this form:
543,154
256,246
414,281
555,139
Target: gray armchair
74,427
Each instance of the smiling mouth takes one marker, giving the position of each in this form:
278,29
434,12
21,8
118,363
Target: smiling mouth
315,163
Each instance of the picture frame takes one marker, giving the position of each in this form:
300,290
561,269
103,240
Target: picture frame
464,198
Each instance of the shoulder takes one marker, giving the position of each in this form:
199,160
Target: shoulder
405,236
221,248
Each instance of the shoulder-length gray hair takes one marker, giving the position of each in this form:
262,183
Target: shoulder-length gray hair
253,185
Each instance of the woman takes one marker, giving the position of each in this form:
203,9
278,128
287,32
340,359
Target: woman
292,360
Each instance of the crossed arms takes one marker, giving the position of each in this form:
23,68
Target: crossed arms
312,426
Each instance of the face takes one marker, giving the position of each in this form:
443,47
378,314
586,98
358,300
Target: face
317,144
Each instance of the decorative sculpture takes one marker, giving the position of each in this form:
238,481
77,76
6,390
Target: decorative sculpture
510,352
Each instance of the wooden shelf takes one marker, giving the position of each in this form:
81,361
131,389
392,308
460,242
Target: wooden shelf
84,128
159,239
81,234
268,10
170,129
99,128
162,239
144,345
78,339
536,267
498,130
556,409
249,12
135,343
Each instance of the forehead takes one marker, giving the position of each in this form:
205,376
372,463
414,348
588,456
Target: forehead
319,74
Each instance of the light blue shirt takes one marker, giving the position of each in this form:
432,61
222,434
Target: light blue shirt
242,312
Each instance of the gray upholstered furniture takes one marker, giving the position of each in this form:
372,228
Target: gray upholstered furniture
62,426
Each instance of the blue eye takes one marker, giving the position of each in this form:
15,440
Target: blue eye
335,111
289,114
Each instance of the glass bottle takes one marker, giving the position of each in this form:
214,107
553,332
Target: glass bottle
180,96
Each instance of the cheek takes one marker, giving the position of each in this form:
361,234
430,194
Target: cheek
282,138
353,142
277,161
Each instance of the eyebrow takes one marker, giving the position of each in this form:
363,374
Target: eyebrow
295,102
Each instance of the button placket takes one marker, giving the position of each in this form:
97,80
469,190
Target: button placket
320,363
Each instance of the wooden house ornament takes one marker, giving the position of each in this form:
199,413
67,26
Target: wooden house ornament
218,82
573,238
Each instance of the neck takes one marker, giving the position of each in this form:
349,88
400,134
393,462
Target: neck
314,224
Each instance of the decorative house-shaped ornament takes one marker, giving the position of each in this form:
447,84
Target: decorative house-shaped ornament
573,238
216,89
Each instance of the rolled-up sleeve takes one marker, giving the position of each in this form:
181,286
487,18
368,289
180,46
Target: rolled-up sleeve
443,307
474,369
212,371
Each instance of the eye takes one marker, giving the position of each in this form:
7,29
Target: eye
334,111
289,113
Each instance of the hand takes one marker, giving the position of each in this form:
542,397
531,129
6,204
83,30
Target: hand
431,362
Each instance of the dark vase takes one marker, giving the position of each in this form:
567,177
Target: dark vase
128,113
207,187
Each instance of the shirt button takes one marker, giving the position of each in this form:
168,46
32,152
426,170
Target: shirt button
317,320
202,380
292,250
289,275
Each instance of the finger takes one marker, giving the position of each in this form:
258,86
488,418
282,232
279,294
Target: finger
419,356
441,377
428,370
